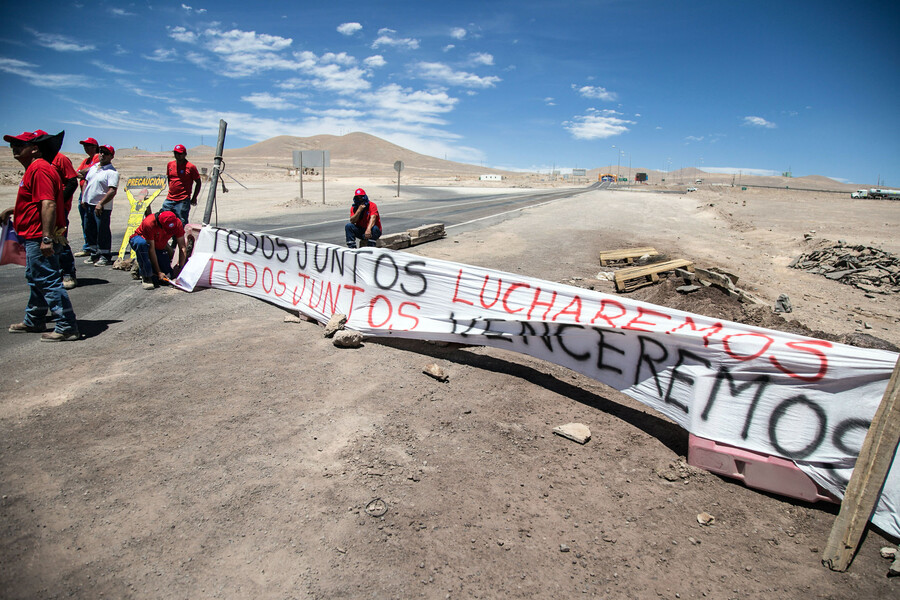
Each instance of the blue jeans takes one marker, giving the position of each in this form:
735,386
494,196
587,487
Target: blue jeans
66,258
84,211
355,231
97,235
47,291
181,209
141,247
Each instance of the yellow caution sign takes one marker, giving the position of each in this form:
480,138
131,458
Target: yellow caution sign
141,191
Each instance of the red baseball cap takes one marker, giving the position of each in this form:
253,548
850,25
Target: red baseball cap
25,136
168,220
179,149
359,192
110,148
90,141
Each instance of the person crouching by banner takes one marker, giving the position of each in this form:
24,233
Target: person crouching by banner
365,222
151,244
102,183
38,216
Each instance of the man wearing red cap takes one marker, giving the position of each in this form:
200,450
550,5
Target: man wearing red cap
101,184
151,244
38,217
365,222
181,175
70,183
91,148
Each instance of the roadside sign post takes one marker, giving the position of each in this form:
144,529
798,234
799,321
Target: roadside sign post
312,158
217,166
872,466
398,166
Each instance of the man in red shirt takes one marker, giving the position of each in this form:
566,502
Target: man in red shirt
92,149
38,219
70,183
365,222
181,175
151,244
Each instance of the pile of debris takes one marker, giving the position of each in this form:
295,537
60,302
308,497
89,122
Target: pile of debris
870,269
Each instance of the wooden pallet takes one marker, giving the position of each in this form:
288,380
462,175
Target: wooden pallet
634,277
625,254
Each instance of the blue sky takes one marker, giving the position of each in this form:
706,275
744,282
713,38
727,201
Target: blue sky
810,87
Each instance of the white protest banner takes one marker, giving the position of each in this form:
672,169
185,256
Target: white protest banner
800,398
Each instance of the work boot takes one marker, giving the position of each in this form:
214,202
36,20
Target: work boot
102,262
147,283
81,253
69,282
23,328
52,336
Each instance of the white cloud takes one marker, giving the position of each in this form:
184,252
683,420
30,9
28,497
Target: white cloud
448,47
161,55
694,138
120,12
482,58
180,34
342,59
759,122
376,60
599,93
597,125
326,75
265,100
349,28
444,74
190,9
386,38
108,68
458,33
411,106
49,80
550,101
60,43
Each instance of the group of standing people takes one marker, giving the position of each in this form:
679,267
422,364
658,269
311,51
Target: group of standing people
40,219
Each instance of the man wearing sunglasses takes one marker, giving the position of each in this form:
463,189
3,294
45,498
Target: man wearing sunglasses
102,181
38,219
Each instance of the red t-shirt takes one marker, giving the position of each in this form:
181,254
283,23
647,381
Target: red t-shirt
40,182
181,181
368,214
66,171
150,229
87,163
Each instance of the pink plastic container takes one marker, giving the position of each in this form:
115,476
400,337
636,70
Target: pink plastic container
756,470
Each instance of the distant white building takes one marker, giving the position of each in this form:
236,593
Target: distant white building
491,177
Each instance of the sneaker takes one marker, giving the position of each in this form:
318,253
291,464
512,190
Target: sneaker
103,262
53,336
90,261
69,282
147,283
23,328
82,253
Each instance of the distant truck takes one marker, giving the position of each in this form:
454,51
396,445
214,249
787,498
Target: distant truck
876,193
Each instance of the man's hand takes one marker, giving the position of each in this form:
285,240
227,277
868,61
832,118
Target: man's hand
98,209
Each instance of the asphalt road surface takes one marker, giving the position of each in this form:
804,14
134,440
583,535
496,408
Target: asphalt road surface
104,295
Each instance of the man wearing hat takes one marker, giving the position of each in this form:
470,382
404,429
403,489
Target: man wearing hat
38,217
182,175
365,222
91,148
101,184
150,243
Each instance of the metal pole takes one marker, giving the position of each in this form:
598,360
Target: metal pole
323,177
214,178
398,184
301,174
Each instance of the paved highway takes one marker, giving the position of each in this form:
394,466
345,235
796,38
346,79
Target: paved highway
104,296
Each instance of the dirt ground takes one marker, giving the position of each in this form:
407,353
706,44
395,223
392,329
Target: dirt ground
202,447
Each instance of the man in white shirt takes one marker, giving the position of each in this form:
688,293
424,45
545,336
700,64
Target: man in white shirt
101,184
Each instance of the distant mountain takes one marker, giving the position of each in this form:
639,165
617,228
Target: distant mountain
354,147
